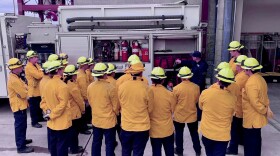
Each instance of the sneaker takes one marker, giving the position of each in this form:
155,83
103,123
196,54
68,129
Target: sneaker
37,125
26,150
79,150
86,132
175,152
28,141
231,152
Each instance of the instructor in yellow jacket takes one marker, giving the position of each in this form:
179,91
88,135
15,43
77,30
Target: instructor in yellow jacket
34,74
186,94
234,48
255,105
103,100
162,129
218,105
136,101
58,113
17,92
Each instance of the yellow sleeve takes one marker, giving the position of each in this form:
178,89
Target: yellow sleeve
172,101
176,96
201,100
150,100
36,73
76,93
82,83
63,96
19,89
253,95
114,100
197,94
43,104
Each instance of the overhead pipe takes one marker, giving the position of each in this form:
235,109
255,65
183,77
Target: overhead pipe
93,27
162,17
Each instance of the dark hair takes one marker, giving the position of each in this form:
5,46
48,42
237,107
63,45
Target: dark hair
256,71
223,84
52,73
157,81
138,74
67,78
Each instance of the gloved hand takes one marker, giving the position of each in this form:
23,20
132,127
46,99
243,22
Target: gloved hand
47,115
269,113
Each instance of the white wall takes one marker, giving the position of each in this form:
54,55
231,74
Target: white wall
261,16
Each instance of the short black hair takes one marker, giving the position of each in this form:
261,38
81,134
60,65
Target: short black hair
223,84
157,81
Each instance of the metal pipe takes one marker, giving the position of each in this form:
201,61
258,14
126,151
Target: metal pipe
92,27
163,17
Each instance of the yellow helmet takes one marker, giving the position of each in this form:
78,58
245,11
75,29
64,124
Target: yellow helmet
90,61
14,63
111,68
158,73
46,65
53,57
251,63
54,65
63,56
31,54
235,45
64,62
185,73
222,65
132,58
226,75
240,59
99,69
82,60
70,70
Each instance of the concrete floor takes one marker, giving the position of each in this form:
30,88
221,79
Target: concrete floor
270,133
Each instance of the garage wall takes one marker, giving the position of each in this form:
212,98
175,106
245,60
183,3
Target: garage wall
261,16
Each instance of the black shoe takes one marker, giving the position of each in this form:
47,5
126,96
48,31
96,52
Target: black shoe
86,132
28,141
175,152
89,127
37,125
231,152
26,150
79,150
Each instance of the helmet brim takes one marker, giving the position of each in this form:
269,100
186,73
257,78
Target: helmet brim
99,74
224,80
185,77
231,48
158,77
15,67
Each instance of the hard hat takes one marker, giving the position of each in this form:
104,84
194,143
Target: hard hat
235,45
54,65
70,70
251,63
222,65
158,73
82,60
53,57
111,68
90,61
64,62
31,54
136,67
132,58
46,65
185,73
63,56
14,63
226,75
240,59
99,69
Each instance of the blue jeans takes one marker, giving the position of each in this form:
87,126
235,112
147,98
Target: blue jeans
168,145
110,140
20,128
179,134
252,142
214,148
59,142
36,112
134,141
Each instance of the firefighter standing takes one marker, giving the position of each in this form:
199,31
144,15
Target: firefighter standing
136,101
34,74
88,71
234,48
64,59
255,105
104,103
236,126
218,105
77,107
83,83
58,113
187,95
18,95
162,130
